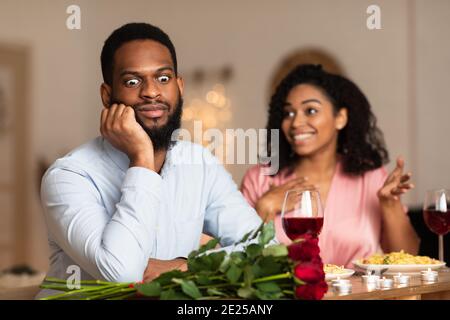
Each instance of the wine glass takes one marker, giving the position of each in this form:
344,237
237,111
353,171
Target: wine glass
302,213
436,213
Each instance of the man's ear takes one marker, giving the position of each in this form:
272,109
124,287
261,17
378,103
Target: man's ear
180,83
341,118
105,93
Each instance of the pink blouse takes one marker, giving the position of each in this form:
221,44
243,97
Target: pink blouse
352,214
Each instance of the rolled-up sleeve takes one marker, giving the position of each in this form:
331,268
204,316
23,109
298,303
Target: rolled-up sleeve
228,216
114,247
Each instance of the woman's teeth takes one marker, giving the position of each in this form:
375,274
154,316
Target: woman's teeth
303,136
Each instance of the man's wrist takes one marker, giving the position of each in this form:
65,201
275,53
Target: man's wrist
143,161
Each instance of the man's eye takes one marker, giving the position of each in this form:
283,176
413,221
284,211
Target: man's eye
132,82
163,79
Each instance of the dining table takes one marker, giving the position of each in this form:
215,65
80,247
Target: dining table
416,289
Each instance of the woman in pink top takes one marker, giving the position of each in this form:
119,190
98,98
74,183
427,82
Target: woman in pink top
329,140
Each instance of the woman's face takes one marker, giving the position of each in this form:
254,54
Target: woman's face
309,124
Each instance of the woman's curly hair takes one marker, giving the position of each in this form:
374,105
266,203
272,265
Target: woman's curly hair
360,143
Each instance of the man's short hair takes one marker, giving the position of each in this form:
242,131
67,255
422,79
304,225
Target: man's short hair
127,33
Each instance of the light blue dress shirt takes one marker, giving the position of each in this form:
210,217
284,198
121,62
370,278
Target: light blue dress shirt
109,219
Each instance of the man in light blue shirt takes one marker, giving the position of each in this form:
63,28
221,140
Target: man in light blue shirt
133,201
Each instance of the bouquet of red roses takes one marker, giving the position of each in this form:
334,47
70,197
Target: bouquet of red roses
259,271
308,269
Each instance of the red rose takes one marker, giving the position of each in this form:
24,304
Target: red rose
310,272
317,261
309,291
305,250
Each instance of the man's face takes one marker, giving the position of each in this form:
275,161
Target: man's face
144,78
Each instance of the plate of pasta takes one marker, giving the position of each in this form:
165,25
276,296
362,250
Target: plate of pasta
333,271
396,262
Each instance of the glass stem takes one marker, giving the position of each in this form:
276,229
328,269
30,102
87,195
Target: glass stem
441,248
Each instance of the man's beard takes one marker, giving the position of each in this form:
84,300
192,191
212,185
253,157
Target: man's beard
162,136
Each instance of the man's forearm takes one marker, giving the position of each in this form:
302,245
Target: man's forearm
156,267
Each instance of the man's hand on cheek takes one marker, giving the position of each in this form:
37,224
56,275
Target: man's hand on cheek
119,126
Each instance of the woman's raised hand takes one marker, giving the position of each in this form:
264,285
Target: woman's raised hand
271,203
396,184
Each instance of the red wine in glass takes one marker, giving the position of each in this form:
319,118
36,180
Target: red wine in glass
298,227
302,213
437,221
436,215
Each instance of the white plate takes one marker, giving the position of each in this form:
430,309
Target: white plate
396,268
347,273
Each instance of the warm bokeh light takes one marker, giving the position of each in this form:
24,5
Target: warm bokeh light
212,97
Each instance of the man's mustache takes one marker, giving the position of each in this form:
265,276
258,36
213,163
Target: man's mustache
151,106
147,105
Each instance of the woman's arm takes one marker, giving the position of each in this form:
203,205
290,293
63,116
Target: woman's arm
397,232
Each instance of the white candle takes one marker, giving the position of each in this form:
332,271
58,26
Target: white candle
370,279
340,281
371,286
401,279
429,276
342,288
384,283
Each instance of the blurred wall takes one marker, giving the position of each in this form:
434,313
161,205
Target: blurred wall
403,68
430,134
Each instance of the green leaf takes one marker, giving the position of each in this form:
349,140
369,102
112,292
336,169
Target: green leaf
238,258
246,293
269,287
150,289
200,263
216,259
211,244
166,277
203,279
208,262
245,237
251,235
234,273
215,292
248,276
225,264
270,266
168,294
276,250
192,255
253,250
256,270
171,294
268,295
267,233
189,288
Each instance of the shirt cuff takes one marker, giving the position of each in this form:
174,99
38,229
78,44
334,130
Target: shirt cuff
142,178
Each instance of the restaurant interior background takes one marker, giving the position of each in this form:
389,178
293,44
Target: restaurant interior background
228,52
